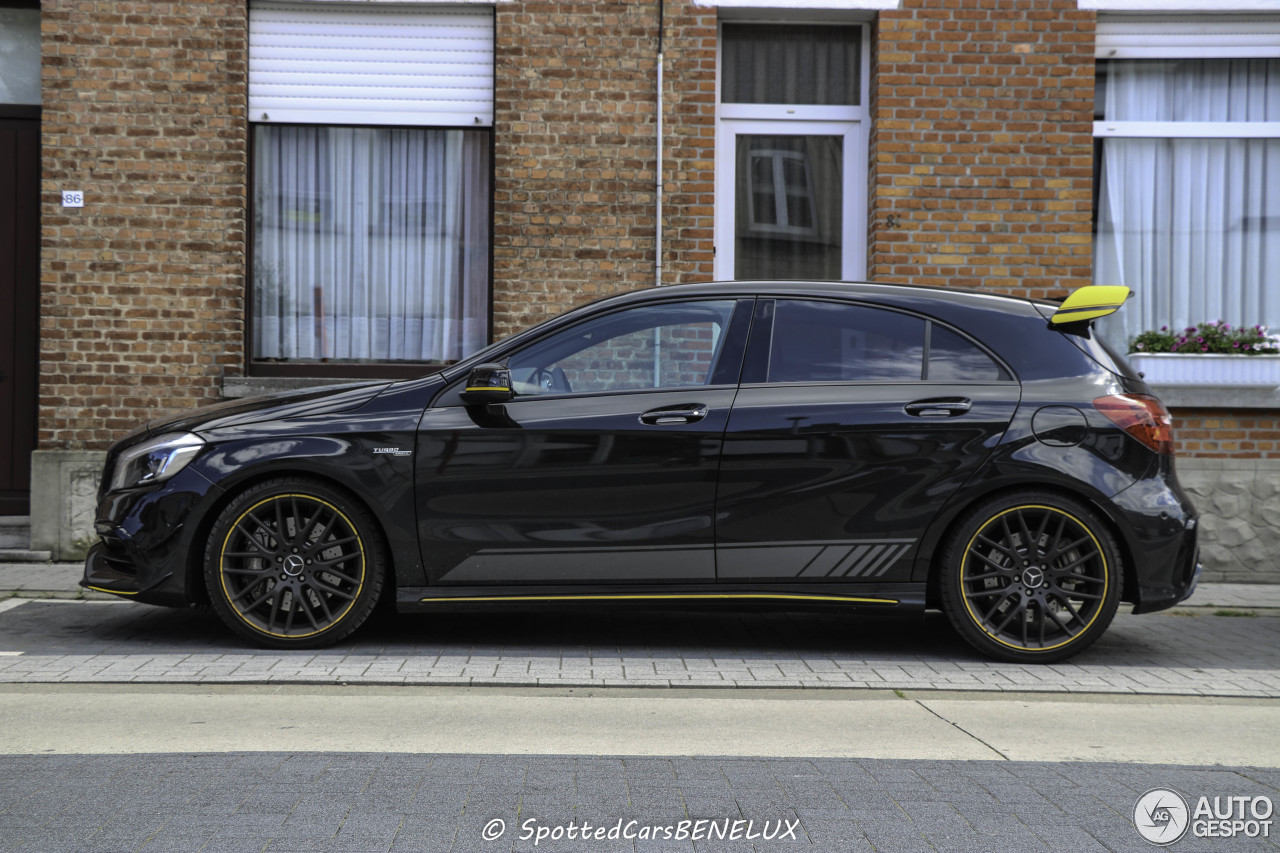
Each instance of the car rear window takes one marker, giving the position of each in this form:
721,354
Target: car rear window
953,358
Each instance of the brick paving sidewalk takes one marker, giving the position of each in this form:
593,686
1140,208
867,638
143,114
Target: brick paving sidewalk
405,803
1195,653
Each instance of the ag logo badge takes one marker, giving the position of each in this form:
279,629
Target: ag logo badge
1161,816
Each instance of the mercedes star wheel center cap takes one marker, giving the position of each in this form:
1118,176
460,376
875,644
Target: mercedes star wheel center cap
293,565
1033,577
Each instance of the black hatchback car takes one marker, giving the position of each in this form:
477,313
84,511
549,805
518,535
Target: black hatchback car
862,446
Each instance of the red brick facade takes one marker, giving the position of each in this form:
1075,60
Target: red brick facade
982,145
1214,433
142,300
576,147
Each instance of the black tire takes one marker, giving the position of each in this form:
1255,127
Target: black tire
1030,577
294,564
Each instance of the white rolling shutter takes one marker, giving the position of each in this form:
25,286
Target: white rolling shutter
1187,37
370,63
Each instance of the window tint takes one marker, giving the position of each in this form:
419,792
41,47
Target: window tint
955,359
830,342
656,346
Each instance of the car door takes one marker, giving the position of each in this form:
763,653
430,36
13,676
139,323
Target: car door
602,468
853,426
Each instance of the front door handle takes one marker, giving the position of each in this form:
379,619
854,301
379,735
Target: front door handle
939,407
674,415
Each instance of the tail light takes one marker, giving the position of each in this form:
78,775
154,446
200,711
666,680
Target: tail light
1143,417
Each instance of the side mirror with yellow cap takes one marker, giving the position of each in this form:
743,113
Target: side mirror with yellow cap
1090,303
488,383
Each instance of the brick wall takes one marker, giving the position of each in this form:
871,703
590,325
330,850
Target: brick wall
142,288
982,139
575,125
1247,434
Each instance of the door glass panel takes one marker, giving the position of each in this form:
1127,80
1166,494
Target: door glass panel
788,220
830,342
660,346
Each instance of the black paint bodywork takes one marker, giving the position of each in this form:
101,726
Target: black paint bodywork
805,489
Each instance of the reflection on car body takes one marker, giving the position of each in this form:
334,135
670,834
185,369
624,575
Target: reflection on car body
868,447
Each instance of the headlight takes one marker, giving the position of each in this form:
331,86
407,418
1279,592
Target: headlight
155,461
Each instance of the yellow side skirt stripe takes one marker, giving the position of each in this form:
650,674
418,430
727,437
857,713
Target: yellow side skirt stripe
844,599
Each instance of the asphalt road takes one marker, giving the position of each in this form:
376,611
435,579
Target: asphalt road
129,728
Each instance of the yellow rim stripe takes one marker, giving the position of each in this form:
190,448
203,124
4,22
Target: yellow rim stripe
222,577
964,565
667,596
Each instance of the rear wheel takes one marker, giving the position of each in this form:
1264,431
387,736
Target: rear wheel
1031,577
294,564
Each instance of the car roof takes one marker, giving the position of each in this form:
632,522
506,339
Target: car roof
875,291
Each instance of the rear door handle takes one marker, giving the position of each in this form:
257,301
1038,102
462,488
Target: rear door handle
940,407
674,415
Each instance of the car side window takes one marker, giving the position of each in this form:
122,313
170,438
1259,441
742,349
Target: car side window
835,342
653,346
953,358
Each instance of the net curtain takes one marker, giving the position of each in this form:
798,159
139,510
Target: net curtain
1192,225
370,243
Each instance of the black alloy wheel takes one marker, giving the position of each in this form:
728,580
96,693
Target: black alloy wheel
1031,577
294,564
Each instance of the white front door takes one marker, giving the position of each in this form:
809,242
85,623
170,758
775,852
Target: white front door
789,200
791,151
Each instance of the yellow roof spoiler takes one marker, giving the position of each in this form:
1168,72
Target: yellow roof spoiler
1090,303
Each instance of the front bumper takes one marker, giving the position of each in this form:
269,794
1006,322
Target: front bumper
146,540
105,571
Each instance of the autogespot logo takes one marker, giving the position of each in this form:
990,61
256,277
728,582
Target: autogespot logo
1161,816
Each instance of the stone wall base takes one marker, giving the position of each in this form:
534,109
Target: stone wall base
64,498
1239,504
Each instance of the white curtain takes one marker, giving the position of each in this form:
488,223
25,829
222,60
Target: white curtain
1192,225
370,243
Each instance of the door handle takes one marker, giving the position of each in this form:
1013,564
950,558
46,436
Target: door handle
940,407
674,415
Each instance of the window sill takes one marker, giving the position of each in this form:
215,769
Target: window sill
239,387
1182,397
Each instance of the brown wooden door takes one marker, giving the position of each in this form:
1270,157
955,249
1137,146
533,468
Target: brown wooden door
19,307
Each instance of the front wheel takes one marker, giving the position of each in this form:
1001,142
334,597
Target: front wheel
1031,577
294,564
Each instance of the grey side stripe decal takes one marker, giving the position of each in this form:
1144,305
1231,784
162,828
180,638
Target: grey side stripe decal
851,560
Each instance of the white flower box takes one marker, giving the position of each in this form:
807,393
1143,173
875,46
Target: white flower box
1208,370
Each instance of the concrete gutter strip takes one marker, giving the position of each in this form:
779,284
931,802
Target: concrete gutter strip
44,719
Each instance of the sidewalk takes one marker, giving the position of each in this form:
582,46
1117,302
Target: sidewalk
60,580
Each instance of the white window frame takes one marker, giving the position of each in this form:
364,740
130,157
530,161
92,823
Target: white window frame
1187,37
850,122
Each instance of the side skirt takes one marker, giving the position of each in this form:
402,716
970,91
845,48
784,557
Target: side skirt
887,597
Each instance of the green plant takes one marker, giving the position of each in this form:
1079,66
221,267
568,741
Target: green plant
1218,337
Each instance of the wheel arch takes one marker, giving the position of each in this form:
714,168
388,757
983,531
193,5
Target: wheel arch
945,528
197,591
